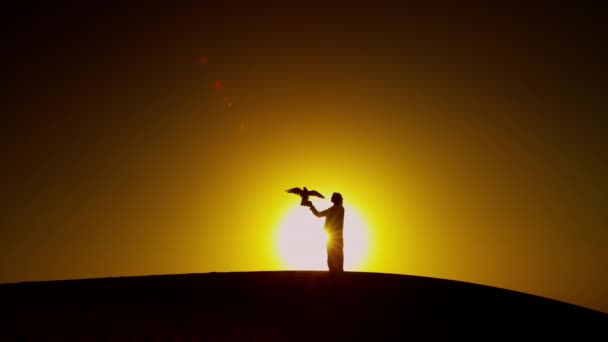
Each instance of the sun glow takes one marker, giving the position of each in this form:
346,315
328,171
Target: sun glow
301,240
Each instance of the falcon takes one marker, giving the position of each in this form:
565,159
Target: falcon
304,193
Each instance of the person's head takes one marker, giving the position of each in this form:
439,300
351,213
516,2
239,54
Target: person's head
336,198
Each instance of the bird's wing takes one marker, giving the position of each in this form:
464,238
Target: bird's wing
315,193
296,191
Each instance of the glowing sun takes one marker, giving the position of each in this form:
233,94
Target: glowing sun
301,239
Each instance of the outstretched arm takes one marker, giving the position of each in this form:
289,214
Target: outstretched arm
318,213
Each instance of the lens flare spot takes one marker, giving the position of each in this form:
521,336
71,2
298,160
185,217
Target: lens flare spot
219,87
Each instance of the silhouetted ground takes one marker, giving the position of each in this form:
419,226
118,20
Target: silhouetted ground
287,305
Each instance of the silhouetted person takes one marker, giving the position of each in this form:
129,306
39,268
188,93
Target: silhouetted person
334,224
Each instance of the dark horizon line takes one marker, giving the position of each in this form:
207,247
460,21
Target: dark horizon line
400,275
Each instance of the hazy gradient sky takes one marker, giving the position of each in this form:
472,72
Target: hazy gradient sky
471,140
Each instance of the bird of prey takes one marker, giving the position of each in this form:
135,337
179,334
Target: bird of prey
304,193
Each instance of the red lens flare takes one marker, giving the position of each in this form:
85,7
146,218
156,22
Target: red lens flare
219,87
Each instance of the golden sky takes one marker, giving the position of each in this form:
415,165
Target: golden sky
471,141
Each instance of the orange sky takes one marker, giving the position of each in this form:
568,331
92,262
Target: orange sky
470,140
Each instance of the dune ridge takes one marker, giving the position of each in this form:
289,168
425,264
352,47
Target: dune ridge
281,305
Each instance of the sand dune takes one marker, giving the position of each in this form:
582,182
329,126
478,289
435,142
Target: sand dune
285,305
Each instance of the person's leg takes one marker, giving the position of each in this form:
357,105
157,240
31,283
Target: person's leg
330,257
335,256
339,256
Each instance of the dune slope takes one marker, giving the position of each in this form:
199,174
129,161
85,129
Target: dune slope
287,305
